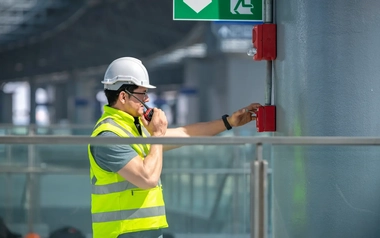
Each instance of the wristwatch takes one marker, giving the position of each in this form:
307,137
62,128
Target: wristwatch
225,121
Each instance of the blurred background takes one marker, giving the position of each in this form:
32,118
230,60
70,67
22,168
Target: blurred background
53,55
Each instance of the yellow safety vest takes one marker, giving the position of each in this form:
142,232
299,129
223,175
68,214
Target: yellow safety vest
118,206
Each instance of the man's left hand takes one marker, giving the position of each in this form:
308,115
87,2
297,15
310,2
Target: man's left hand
244,115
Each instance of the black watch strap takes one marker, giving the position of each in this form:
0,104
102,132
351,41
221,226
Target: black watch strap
225,121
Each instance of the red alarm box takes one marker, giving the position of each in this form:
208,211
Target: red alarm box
266,118
264,41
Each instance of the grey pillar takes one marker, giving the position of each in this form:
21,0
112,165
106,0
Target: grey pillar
85,100
32,112
327,84
188,106
228,83
61,102
71,92
6,107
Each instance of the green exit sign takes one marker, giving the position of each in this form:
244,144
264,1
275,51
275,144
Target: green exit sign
218,10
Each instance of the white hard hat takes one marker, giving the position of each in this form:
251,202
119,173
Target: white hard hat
126,70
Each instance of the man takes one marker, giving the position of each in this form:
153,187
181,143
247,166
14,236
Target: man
127,198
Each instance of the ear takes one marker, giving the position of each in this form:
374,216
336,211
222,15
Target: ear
122,97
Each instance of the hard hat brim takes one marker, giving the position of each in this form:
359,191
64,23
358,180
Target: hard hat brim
116,83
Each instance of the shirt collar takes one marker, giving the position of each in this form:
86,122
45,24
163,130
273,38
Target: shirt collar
118,114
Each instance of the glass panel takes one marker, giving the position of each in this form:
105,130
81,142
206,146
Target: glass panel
13,204
50,200
65,201
14,155
206,189
315,185
12,191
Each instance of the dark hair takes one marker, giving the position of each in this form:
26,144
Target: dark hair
112,95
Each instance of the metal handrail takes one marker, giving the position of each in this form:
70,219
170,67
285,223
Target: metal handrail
233,140
51,126
19,169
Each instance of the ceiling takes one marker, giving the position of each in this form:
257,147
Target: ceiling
39,37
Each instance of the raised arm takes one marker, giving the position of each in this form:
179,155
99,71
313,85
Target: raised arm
211,128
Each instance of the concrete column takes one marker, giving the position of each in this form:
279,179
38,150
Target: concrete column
85,101
327,84
246,82
228,83
189,101
71,94
61,102
33,104
5,107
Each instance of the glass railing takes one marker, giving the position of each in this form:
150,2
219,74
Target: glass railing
47,186
213,186
206,188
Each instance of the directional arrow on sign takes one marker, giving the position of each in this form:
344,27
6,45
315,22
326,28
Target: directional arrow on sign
197,5
232,30
224,31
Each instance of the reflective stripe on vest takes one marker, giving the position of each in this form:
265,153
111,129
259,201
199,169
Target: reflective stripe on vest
112,188
128,214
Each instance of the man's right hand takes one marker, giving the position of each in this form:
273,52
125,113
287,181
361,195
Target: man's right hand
158,125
